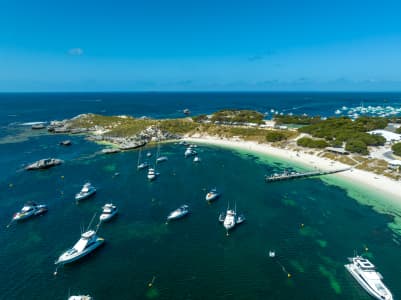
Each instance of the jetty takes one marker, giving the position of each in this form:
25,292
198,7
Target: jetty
296,175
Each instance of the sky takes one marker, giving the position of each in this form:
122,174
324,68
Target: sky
219,45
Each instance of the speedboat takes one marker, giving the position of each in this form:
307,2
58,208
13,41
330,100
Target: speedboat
366,275
86,191
197,159
212,195
80,297
29,209
152,174
109,211
230,218
178,213
88,242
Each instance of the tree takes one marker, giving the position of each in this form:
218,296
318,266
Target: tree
396,149
275,136
357,146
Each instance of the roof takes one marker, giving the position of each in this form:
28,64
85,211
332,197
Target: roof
388,135
337,149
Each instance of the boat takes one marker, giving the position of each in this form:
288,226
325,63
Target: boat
88,242
141,165
38,126
29,209
212,195
152,174
109,211
159,158
272,254
80,297
178,213
230,218
186,111
149,154
65,143
366,275
110,150
87,190
197,159
44,164
190,152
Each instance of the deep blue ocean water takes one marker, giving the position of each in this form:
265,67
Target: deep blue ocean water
191,258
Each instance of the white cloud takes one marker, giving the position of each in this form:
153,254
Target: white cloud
76,51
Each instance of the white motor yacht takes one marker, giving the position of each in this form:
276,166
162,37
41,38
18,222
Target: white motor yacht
189,152
197,159
80,297
152,174
86,191
109,211
365,273
212,195
178,213
230,218
29,209
88,242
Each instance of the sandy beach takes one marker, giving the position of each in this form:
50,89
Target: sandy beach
384,185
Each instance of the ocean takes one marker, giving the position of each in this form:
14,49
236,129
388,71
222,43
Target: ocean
312,224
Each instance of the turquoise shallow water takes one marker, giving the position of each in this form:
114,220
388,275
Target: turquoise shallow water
191,258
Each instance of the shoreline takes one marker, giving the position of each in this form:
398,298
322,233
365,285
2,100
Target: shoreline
380,184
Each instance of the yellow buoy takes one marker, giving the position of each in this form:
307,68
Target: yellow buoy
10,185
288,275
366,249
62,176
302,225
150,285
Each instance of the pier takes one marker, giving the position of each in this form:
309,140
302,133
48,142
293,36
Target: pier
296,175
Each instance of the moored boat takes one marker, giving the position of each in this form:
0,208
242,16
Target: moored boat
44,164
152,174
109,211
197,159
29,209
80,297
190,152
178,213
366,275
87,190
230,218
212,195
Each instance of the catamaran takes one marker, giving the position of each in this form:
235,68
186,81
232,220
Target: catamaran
230,218
366,275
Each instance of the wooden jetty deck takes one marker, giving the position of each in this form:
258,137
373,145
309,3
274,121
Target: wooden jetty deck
296,175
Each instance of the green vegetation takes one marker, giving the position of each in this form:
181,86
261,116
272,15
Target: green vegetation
337,131
311,143
396,149
200,118
295,119
237,116
398,130
177,126
276,136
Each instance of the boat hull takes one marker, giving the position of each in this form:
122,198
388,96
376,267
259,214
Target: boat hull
85,196
365,286
107,217
99,242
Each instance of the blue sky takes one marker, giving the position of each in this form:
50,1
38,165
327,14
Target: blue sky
152,45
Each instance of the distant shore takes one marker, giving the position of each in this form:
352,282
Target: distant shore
382,184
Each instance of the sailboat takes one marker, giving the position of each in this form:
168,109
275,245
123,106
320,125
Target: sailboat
152,174
143,165
159,158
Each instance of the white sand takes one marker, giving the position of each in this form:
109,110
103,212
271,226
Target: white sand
379,183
